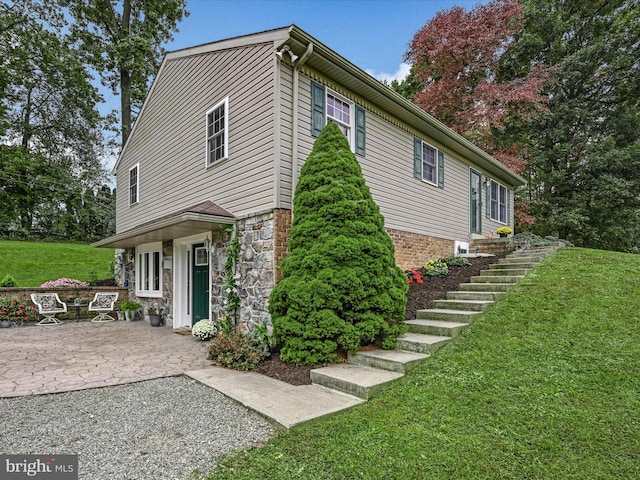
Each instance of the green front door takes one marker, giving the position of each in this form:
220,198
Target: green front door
200,296
476,202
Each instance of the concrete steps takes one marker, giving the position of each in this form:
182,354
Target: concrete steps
356,380
486,296
393,360
441,328
370,371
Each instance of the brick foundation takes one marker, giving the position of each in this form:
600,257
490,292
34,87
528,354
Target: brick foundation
414,250
281,238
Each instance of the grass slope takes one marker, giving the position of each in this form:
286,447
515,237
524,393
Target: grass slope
33,263
545,385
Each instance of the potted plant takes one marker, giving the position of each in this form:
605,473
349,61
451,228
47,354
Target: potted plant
204,330
14,312
155,315
504,231
130,308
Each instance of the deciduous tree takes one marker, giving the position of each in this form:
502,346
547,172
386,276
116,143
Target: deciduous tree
456,64
583,171
123,42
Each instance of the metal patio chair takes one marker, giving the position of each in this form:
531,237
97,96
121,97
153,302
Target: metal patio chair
49,305
103,303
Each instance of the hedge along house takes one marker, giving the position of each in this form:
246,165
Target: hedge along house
216,153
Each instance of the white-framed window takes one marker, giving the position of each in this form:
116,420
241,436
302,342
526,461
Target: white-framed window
340,111
134,184
428,163
328,106
149,270
498,201
218,132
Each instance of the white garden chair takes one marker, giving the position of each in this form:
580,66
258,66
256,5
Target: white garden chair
49,305
103,303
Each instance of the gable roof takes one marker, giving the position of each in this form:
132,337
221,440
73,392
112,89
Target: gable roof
328,62
325,60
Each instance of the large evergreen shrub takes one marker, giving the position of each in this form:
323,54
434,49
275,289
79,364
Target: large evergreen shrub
341,287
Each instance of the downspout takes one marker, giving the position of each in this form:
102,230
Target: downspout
294,141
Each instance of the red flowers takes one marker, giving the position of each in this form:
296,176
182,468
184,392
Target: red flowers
414,275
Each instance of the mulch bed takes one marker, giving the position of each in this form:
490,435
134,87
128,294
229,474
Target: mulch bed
420,297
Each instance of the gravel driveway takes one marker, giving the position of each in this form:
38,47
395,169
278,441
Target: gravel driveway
168,428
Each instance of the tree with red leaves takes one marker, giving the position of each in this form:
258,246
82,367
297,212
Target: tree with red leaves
456,59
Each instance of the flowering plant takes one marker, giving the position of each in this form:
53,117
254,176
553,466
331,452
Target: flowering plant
15,311
64,282
414,275
504,231
204,330
435,268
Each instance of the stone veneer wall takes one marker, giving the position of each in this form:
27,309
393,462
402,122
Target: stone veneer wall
255,271
125,276
414,250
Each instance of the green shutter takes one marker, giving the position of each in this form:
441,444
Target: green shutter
440,169
318,99
360,130
417,158
508,207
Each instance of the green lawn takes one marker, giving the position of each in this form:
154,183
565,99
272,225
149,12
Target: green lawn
33,263
546,385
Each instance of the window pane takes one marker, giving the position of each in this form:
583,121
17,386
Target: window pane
216,124
428,163
146,271
156,271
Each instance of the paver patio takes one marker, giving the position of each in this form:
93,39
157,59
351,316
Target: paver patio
36,360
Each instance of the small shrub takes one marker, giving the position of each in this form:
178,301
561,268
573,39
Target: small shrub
436,268
456,261
8,281
233,350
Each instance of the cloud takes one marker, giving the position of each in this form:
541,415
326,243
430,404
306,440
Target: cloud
399,75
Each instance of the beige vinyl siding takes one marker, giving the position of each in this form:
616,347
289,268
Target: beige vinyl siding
169,143
407,203
286,128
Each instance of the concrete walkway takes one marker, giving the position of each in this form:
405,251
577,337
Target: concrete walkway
36,360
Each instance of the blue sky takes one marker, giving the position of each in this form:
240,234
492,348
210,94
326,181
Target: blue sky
373,34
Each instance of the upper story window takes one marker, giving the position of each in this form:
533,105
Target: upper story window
428,163
218,132
329,106
134,183
149,270
498,202
339,112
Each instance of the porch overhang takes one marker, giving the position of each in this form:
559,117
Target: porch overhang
203,218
